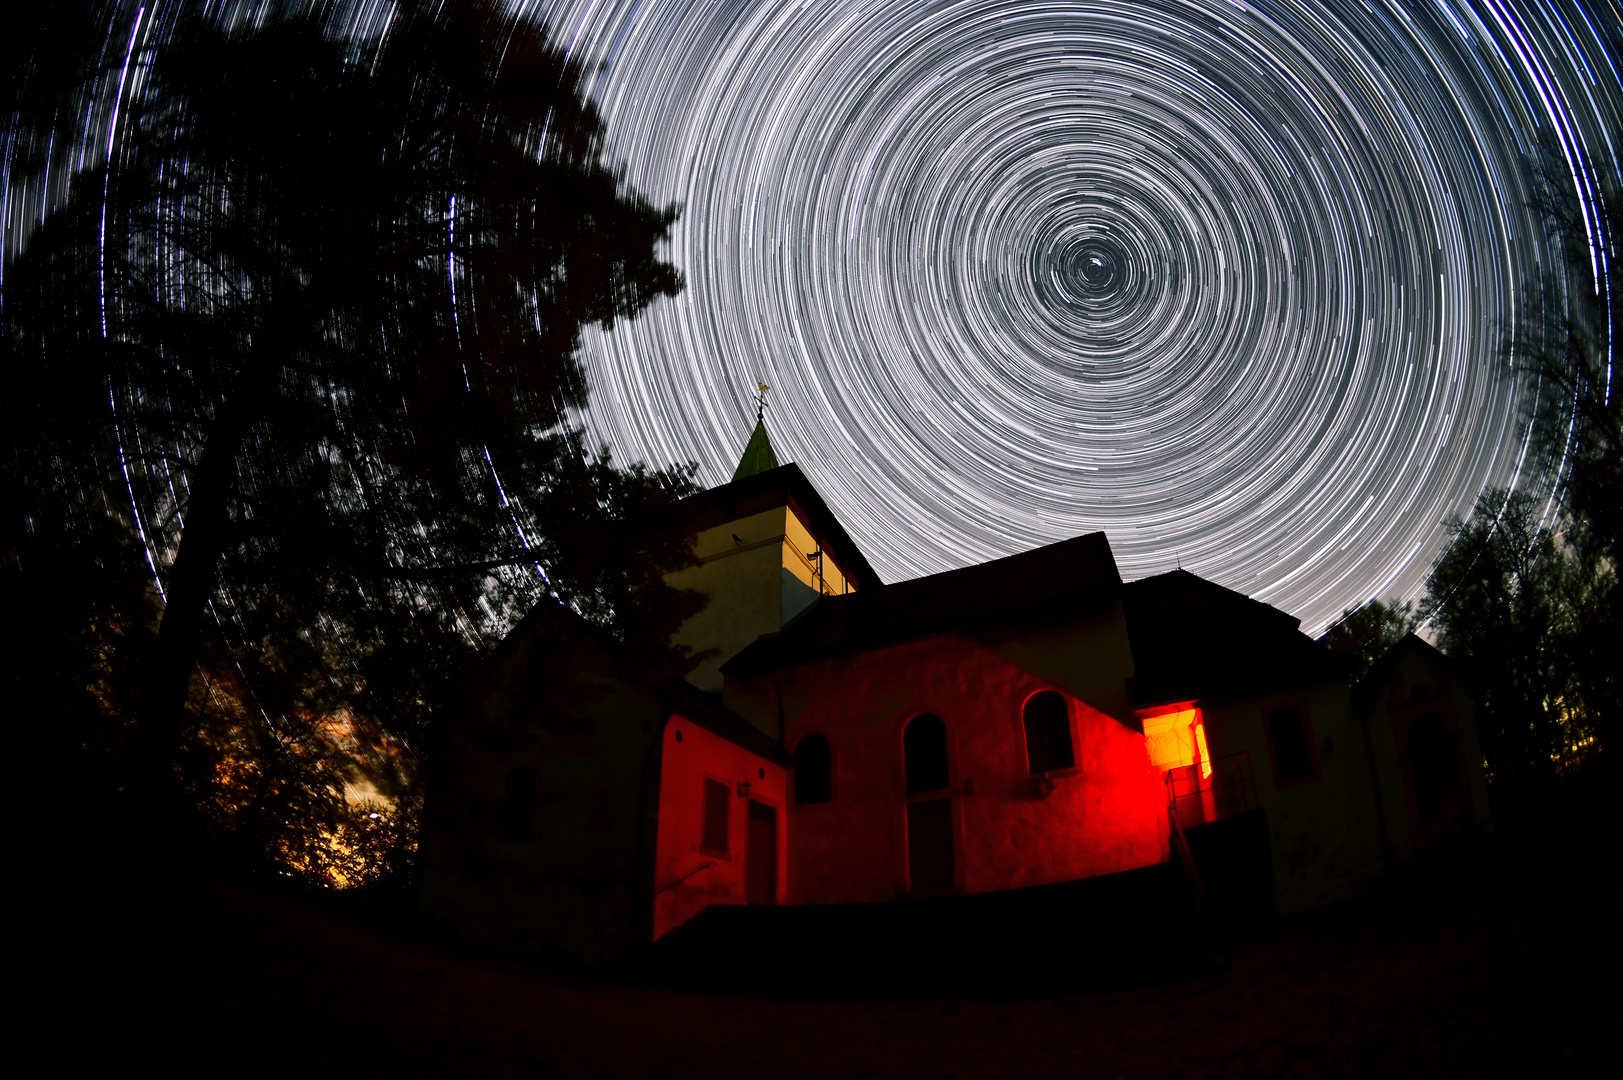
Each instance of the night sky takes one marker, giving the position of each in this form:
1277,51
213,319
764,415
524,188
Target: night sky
1228,281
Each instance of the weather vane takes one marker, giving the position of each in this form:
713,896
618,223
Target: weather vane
760,402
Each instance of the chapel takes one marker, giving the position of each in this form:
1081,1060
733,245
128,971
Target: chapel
999,730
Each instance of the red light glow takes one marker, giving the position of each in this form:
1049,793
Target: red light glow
1200,748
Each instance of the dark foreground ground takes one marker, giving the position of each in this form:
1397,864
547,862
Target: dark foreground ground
1503,964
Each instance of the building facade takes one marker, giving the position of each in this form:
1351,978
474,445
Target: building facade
1024,722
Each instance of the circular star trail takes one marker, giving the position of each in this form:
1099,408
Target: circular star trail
1230,282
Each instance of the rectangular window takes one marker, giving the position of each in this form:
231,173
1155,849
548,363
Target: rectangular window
1292,753
717,800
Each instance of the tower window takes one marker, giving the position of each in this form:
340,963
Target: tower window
813,771
1048,733
924,753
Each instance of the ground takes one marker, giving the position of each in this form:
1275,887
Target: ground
1506,964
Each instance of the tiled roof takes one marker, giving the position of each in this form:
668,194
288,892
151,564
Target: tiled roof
1081,571
1193,639
680,696
785,484
593,648
1370,686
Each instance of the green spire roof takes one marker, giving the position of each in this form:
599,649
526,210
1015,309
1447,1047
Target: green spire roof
758,456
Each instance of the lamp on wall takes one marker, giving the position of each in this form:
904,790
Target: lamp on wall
744,790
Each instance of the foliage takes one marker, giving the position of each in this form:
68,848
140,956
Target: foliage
309,335
1526,597
78,615
1363,635
1516,604
1571,349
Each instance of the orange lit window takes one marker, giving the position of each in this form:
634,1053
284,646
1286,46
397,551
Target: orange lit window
1175,737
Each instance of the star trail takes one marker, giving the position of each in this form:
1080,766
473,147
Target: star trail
1232,282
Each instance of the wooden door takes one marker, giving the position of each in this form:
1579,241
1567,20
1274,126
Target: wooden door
761,869
929,846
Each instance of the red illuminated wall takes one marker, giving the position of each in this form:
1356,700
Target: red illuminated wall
1106,814
691,755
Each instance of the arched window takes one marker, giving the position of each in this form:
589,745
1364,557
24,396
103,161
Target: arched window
924,753
1048,733
814,773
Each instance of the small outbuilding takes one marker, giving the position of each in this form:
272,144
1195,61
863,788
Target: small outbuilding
1428,762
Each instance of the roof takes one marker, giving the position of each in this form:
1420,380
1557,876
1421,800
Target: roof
673,694
681,696
783,485
1193,639
1369,687
1078,572
758,456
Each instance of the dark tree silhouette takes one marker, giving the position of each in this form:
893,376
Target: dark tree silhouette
1570,344
1507,601
1573,352
1363,635
316,320
1526,596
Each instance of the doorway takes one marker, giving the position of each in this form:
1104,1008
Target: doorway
761,860
929,846
929,820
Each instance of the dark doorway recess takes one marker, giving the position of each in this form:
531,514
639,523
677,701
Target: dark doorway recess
762,869
924,753
929,846
1435,772
1236,866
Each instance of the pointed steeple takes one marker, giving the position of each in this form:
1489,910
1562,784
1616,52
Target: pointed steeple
758,456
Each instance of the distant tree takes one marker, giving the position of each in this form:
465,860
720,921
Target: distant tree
1526,597
49,54
1509,602
1569,344
1364,634
314,321
78,616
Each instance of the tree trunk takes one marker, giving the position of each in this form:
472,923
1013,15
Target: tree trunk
191,583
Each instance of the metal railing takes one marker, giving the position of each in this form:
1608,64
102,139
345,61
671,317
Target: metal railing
1211,791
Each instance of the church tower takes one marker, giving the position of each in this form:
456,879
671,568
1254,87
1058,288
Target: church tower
768,547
